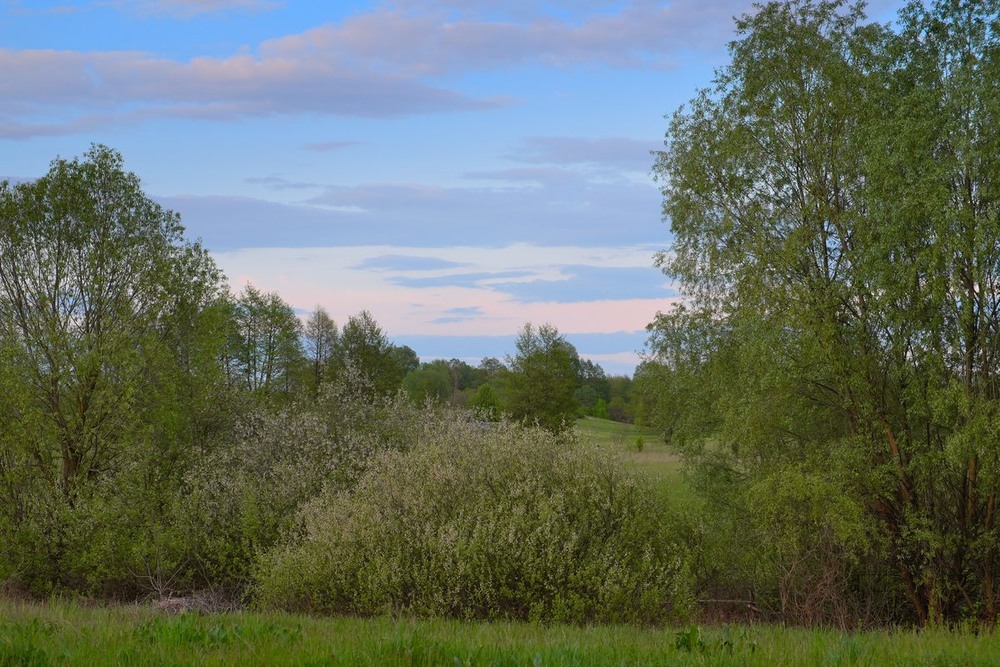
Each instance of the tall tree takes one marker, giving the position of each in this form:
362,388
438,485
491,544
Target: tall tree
406,358
834,205
365,346
266,348
320,339
543,378
594,387
105,313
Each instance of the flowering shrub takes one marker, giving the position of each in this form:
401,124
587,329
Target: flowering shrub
245,498
484,521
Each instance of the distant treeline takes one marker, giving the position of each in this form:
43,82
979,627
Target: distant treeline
271,354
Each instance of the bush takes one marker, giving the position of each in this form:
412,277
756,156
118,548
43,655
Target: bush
245,498
489,522
167,524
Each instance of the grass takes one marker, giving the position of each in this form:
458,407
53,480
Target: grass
63,633
607,432
654,459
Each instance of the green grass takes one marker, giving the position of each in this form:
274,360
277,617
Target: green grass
607,432
62,633
654,459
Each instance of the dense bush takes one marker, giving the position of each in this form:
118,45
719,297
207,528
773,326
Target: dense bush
167,523
244,498
487,522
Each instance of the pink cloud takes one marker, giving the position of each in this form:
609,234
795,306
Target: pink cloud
373,65
189,8
336,279
71,88
430,42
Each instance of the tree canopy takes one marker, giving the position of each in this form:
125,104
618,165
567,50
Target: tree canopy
160,434
105,313
543,378
834,202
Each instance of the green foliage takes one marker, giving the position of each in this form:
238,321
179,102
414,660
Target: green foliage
542,383
430,382
593,388
110,336
693,640
246,496
265,353
320,340
433,381
449,381
485,403
485,522
619,411
365,347
835,206
600,409
406,359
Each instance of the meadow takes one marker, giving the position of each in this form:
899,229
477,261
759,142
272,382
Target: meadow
66,633
642,448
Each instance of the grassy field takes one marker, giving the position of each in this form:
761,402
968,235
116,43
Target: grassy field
654,459
61,633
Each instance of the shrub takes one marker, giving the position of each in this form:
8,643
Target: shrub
245,498
490,522
167,524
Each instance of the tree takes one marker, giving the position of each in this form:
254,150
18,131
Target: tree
431,381
405,358
101,306
491,367
834,202
266,349
543,378
364,345
593,388
320,339
112,327
485,403
620,390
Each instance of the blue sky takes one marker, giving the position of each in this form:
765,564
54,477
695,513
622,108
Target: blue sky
457,167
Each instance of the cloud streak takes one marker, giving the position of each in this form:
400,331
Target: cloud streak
186,9
616,152
423,291
540,204
428,41
78,91
390,62
327,146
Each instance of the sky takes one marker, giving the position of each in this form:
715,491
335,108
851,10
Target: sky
456,167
